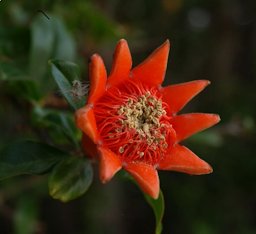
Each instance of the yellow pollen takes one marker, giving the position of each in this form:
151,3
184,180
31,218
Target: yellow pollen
121,150
111,135
144,115
141,154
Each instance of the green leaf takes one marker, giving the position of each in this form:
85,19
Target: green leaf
64,73
158,208
70,70
28,157
70,179
69,128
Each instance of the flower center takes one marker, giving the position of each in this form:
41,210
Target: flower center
143,116
133,122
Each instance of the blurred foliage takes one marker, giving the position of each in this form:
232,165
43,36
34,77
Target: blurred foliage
33,158
212,40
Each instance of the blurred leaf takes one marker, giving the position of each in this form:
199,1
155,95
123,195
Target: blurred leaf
9,71
14,43
63,73
28,157
70,179
19,14
65,45
158,208
23,88
57,120
202,227
93,21
98,23
18,83
50,38
25,215
210,137
42,44
249,123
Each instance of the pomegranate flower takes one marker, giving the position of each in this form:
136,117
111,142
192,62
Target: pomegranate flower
130,121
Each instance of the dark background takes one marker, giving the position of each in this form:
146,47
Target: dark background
213,40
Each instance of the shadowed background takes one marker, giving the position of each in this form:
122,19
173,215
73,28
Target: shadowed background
213,40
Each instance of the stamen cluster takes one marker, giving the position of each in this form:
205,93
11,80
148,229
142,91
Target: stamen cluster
135,123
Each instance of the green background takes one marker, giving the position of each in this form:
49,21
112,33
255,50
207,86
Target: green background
213,40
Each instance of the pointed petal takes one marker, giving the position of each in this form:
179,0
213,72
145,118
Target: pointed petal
98,78
189,124
181,159
122,64
152,70
85,120
146,176
89,147
110,164
177,96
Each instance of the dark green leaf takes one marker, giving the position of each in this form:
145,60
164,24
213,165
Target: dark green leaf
17,82
23,88
63,122
70,179
28,157
69,128
158,208
70,70
64,73
9,71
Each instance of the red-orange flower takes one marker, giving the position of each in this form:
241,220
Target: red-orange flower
130,121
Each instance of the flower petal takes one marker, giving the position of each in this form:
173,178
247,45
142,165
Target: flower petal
98,78
146,176
181,159
85,120
109,164
152,70
177,96
122,64
189,124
